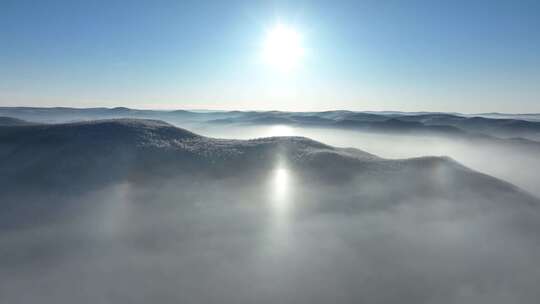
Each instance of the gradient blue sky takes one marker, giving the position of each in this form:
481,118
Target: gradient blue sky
463,56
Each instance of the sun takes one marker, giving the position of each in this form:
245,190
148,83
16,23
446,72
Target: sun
282,47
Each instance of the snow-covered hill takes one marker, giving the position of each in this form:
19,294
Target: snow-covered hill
98,152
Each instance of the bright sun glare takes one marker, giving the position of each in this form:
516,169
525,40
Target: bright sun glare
282,47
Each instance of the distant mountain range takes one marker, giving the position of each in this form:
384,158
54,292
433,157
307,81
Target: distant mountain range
451,124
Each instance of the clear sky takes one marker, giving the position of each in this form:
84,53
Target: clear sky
410,55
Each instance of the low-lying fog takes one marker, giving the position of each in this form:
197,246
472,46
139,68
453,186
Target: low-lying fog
221,241
508,161
279,236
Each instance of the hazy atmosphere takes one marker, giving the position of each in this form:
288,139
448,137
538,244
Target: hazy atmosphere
269,152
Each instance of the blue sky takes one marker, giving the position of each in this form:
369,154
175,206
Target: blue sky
463,56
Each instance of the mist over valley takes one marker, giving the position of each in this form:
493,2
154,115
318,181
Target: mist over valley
131,210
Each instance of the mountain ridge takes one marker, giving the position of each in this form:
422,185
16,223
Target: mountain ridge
453,124
52,155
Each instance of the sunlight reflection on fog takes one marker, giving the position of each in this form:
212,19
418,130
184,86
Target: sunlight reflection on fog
281,187
280,130
280,194
280,205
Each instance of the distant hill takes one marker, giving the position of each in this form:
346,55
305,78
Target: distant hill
10,121
90,154
455,124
